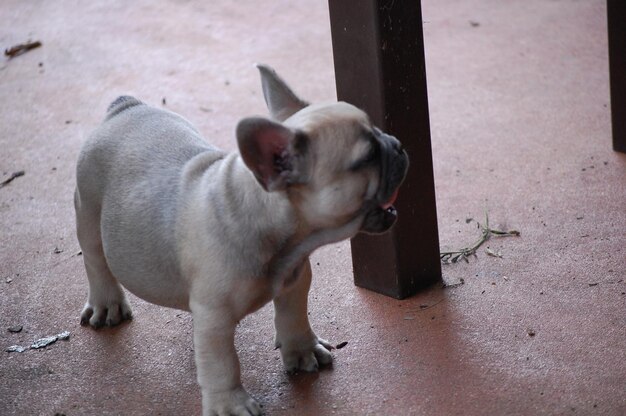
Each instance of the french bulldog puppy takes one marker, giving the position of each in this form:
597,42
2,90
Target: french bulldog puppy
182,224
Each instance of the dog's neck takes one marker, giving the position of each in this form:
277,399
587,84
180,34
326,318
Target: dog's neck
286,265
270,223
281,241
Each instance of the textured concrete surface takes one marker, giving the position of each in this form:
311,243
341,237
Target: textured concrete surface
519,105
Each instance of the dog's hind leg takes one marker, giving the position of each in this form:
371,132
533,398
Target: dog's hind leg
106,302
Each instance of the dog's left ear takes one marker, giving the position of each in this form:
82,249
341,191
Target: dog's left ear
280,100
273,152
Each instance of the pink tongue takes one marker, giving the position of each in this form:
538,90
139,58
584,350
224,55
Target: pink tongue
389,203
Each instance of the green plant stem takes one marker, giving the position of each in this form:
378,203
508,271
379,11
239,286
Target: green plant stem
465,252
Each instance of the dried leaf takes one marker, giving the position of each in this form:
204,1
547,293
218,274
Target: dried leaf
21,48
12,177
341,345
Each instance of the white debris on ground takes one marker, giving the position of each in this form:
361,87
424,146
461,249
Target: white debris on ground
41,343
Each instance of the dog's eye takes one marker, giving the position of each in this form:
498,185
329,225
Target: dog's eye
372,155
369,159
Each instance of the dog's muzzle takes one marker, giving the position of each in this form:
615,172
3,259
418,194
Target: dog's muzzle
380,212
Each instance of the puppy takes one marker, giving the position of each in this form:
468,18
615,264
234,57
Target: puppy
182,224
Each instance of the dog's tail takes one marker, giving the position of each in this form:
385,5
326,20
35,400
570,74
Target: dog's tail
120,104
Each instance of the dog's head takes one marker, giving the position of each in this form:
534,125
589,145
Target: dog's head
333,164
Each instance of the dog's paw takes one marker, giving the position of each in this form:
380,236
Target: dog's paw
307,357
236,402
110,315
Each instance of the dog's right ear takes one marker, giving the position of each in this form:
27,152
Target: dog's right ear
273,152
280,100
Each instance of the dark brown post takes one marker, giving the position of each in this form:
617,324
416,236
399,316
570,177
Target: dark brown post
616,10
378,49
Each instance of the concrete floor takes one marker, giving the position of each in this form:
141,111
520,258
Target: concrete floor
520,117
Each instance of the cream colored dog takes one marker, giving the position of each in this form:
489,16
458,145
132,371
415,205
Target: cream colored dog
184,225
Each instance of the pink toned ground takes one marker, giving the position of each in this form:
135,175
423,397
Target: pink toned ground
520,126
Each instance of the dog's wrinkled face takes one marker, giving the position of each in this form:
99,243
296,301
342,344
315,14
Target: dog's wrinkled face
333,164
351,168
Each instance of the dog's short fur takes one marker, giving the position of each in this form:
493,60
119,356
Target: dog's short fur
182,224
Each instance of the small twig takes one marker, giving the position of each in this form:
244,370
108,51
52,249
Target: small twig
424,307
17,50
451,285
10,178
485,233
492,253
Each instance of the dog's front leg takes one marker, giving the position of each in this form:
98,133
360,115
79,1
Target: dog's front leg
218,365
300,348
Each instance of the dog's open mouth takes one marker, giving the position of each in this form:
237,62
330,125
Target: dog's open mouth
388,207
381,217
389,204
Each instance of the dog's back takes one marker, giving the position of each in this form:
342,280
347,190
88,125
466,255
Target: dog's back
128,179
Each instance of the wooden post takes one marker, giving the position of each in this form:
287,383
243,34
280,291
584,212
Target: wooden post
378,49
616,10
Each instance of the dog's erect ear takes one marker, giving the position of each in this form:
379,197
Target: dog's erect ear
273,152
280,100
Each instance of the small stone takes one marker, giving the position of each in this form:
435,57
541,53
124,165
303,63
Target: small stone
15,329
15,348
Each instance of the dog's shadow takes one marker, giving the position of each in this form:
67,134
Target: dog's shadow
304,386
